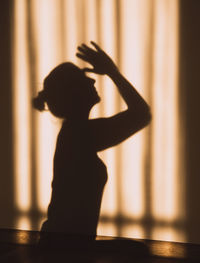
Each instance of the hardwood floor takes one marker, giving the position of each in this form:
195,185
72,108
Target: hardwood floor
19,246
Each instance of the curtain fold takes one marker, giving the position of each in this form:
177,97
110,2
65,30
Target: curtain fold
142,197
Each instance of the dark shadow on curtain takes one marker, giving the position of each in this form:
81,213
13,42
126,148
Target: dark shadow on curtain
189,106
98,5
118,154
32,69
148,220
7,204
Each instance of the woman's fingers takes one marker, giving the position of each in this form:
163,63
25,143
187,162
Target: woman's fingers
94,56
86,53
89,70
96,46
83,57
88,49
101,62
81,49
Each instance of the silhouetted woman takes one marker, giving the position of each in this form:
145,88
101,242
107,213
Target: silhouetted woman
79,174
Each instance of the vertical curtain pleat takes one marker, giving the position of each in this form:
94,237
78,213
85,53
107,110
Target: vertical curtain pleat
141,37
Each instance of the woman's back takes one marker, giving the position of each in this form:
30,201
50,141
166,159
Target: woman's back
79,179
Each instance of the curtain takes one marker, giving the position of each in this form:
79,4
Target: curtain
144,196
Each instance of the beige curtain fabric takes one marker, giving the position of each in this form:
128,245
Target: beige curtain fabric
142,198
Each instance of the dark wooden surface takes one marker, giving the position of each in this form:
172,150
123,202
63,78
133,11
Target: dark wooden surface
21,246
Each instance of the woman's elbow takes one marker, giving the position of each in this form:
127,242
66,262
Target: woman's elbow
146,116
143,116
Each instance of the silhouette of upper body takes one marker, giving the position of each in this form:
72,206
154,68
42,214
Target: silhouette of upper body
79,174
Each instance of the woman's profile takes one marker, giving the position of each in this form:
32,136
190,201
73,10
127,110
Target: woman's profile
79,175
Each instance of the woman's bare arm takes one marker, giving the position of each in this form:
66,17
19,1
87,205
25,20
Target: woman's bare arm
111,131
132,98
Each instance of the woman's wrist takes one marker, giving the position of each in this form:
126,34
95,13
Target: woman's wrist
113,72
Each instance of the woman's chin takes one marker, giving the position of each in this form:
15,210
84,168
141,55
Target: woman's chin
95,100
98,99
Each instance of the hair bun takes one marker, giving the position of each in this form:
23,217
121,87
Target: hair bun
39,102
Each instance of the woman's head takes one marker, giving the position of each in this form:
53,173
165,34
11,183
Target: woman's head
67,91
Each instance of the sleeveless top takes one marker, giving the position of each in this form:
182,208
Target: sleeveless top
78,183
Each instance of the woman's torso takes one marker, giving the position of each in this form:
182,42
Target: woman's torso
78,182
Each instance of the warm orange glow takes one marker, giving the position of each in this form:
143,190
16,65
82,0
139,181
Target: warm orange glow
70,35
168,250
23,222
21,109
108,105
168,233
45,159
164,188
48,55
149,60
132,183
107,229
133,66
90,20
133,231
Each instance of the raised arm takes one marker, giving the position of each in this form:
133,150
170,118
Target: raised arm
113,130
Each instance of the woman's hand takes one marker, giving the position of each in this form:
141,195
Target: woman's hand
101,62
